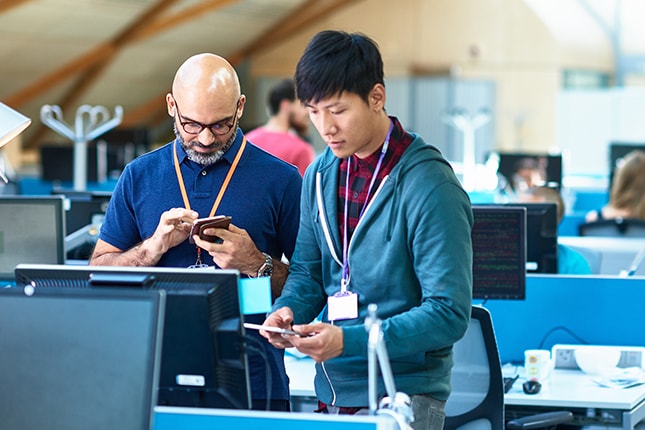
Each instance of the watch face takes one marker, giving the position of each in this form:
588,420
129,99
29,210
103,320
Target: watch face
267,267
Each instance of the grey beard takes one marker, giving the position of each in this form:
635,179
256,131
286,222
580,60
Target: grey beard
204,159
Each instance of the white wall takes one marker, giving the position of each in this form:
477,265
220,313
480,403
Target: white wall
588,120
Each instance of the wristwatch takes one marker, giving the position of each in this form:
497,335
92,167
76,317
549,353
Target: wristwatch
267,268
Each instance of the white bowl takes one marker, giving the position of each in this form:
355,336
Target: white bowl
596,360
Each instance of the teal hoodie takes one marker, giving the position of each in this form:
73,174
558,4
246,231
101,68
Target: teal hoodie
410,254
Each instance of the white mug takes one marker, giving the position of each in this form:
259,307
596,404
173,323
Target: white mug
537,364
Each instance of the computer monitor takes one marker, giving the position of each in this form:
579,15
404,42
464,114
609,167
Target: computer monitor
79,359
84,213
203,359
32,230
617,150
541,236
499,252
83,208
547,166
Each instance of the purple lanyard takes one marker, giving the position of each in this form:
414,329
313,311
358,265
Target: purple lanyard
345,279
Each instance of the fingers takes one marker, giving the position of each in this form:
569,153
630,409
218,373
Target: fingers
178,218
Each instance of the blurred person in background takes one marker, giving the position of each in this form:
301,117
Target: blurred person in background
288,120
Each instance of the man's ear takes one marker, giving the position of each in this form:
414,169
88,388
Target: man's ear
170,105
376,97
240,111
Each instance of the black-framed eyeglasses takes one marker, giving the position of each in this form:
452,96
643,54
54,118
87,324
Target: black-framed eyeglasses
219,128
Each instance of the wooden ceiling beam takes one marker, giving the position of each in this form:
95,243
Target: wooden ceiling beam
93,64
307,14
303,17
87,60
162,24
6,5
91,70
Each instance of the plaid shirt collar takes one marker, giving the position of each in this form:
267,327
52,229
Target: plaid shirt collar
361,175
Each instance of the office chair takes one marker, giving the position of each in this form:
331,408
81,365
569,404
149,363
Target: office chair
477,398
618,227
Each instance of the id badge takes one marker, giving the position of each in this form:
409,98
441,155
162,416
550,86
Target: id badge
342,306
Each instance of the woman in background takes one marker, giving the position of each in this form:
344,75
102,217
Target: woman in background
627,195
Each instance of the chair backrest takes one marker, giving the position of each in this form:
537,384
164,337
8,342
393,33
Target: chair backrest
477,397
618,227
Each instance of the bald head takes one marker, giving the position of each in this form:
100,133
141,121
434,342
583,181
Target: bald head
206,83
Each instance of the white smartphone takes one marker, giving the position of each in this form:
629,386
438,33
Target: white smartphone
271,329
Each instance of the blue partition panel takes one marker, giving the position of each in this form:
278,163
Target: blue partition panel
570,310
167,418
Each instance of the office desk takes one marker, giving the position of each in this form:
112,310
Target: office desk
566,390
575,391
301,373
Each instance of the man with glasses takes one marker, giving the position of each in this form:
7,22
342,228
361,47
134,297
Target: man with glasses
209,169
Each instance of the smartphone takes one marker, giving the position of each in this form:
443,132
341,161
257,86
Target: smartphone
272,329
201,224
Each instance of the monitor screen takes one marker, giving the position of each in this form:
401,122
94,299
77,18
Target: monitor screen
79,359
499,252
541,236
203,359
32,230
520,169
617,150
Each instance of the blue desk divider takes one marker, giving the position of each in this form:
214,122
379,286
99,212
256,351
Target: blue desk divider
569,224
587,200
168,418
600,310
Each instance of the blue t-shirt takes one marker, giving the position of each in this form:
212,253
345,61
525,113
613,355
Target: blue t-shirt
263,197
571,262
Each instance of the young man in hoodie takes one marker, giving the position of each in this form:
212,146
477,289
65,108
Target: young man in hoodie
383,220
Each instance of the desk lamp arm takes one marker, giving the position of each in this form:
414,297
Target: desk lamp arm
396,405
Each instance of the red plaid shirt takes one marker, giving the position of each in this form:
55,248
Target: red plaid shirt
361,175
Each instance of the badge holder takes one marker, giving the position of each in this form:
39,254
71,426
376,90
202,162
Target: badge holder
395,404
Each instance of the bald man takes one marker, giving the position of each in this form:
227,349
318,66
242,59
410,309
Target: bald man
209,169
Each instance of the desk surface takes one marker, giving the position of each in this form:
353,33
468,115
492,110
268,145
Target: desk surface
565,388
575,389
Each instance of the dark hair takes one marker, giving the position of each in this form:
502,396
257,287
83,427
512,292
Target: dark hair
283,90
335,62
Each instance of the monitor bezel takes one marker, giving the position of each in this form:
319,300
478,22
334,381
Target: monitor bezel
66,276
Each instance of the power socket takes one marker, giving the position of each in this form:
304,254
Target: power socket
563,357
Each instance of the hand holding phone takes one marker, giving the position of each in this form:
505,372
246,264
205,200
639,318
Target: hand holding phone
201,224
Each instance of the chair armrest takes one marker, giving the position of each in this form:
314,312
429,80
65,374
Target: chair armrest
538,421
